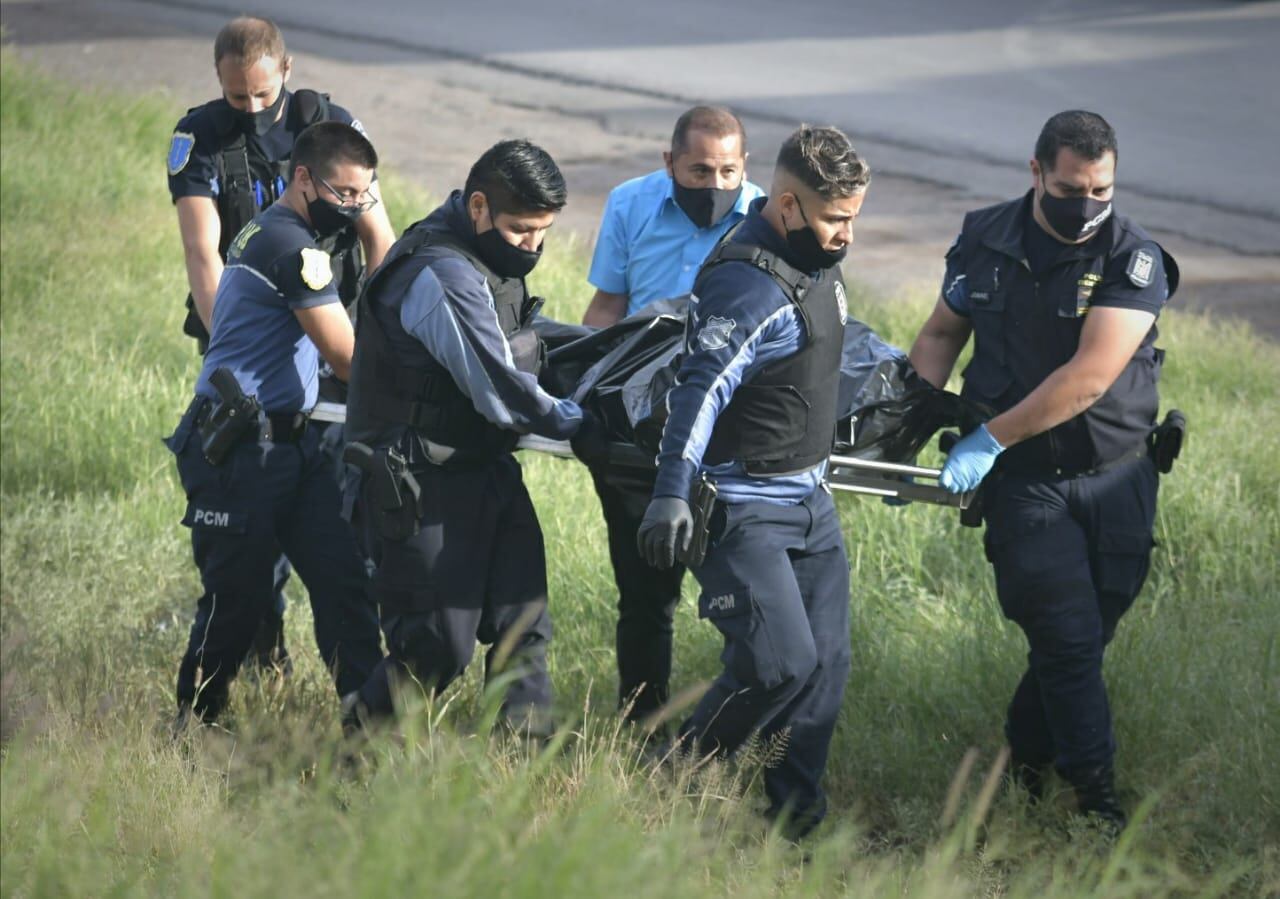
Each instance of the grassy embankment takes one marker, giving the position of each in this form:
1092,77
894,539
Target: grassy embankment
98,587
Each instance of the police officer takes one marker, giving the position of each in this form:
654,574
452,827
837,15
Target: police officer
228,160
444,382
754,409
250,464
1062,295
654,235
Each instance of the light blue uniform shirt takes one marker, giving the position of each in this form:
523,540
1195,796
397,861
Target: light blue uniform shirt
648,248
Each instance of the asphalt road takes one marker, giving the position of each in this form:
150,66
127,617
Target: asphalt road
954,91
946,114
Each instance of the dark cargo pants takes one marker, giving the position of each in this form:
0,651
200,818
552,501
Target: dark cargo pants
476,570
775,583
263,500
1070,555
647,600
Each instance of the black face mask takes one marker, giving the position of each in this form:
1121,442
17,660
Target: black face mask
806,250
260,122
506,260
705,205
1075,218
327,219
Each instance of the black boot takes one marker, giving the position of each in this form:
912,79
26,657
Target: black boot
1096,796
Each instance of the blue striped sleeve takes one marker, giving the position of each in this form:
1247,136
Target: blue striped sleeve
449,308
740,323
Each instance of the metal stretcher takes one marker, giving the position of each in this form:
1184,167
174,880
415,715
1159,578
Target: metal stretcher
847,473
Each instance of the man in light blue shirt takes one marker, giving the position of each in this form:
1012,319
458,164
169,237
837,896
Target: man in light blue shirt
654,236
657,229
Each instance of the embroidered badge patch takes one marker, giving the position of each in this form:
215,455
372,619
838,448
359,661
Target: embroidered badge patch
316,271
1141,268
715,333
180,148
842,304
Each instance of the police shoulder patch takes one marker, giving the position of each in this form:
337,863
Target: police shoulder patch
180,147
1141,268
316,270
715,333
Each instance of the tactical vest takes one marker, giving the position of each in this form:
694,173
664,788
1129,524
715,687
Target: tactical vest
241,166
783,420
1027,326
386,394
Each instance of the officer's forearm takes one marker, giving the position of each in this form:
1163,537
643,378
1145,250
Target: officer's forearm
1062,396
376,235
203,271
605,309
934,355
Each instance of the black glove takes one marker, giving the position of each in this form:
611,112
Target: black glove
667,524
591,443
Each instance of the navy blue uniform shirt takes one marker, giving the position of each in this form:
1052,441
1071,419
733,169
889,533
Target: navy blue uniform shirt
273,267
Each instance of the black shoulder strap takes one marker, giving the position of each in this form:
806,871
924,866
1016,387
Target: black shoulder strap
793,281
415,237
236,203
309,107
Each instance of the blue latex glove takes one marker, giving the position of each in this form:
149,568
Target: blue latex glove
969,461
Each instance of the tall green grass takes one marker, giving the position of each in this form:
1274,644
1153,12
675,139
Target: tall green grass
97,590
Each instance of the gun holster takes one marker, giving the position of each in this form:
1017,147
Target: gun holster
395,496
193,327
702,503
233,416
1166,440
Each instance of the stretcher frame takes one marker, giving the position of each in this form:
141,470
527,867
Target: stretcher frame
845,473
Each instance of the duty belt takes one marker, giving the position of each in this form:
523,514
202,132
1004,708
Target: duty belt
273,427
1041,471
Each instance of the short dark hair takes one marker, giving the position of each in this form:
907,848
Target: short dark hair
718,121
1086,134
326,145
249,39
517,176
824,160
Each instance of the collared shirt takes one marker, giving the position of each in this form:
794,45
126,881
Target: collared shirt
764,327
1027,324
273,267
648,248
1115,287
